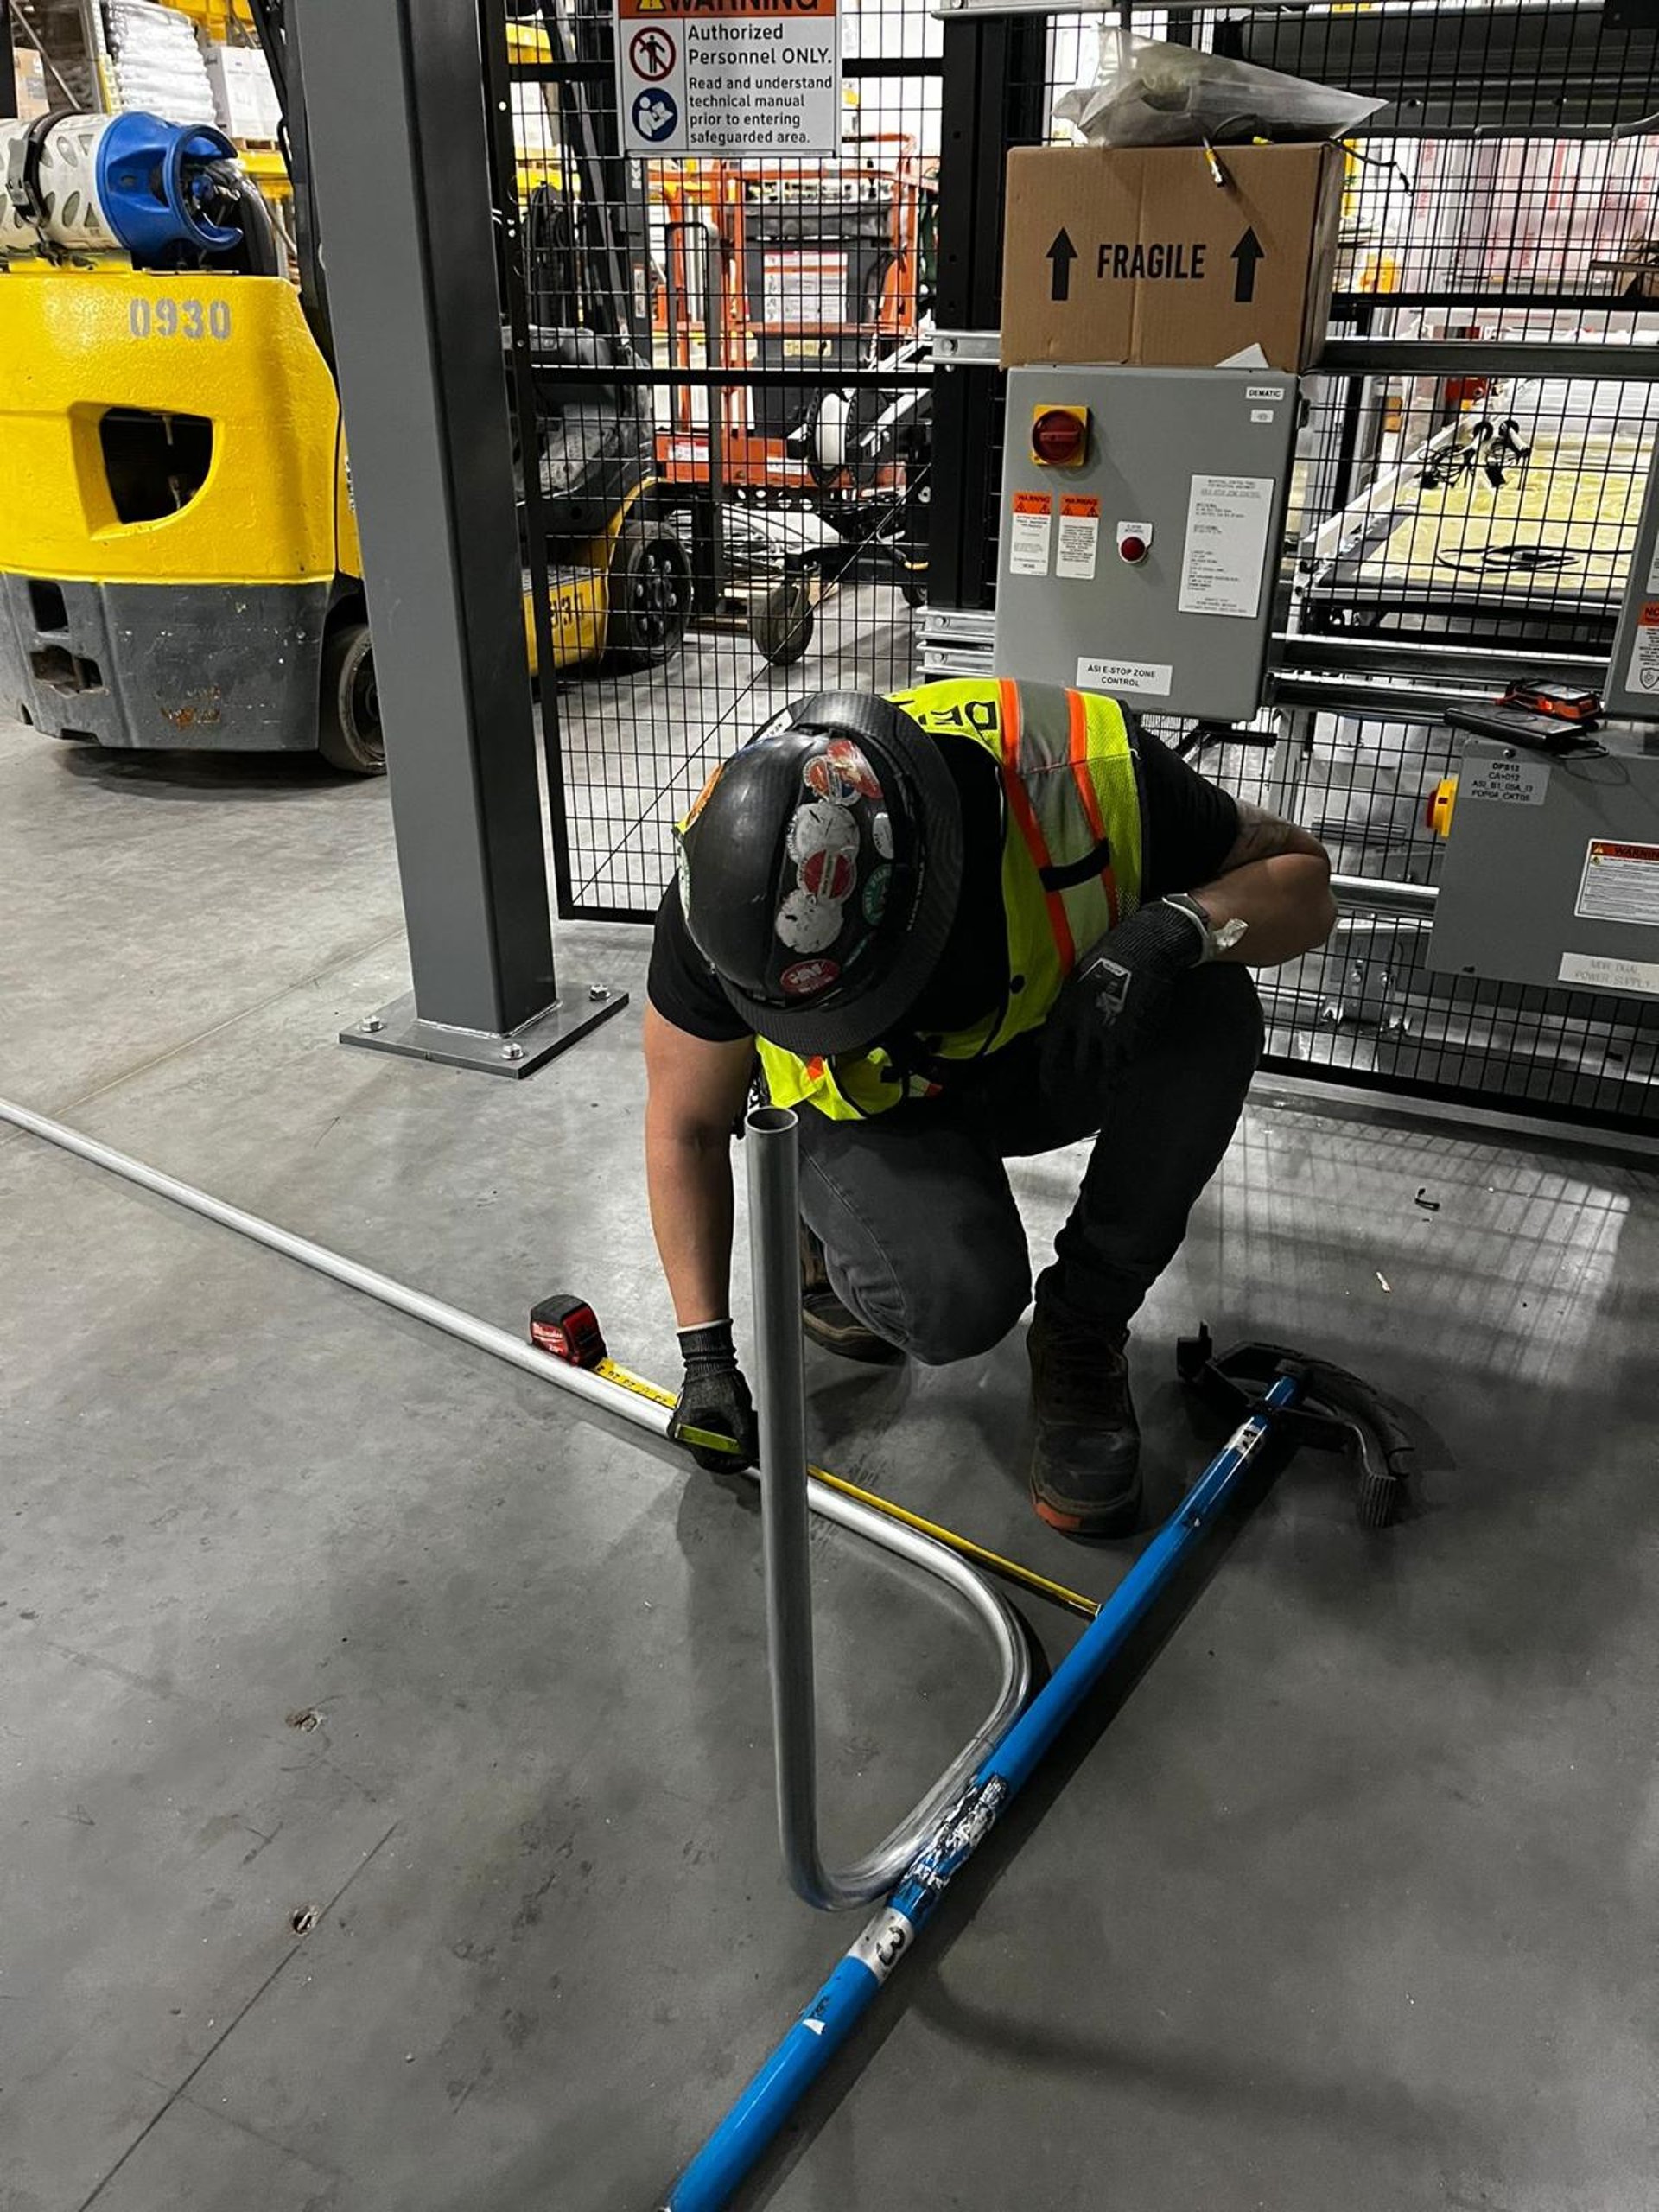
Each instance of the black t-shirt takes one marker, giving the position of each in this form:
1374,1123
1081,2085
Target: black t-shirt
1187,829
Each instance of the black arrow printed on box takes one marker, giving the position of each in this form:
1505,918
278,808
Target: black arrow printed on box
1059,257
1246,254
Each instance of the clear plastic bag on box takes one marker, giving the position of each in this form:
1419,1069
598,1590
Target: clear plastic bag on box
1145,93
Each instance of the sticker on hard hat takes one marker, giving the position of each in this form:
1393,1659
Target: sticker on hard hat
819,827
807,977
701,799
882,833
875,894
808,924
828,875
823,777
848,759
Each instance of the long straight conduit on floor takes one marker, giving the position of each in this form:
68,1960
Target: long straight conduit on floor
874,1875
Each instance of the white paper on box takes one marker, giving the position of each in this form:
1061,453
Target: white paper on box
1593,971
1152,678
1225,559
1620,883
1031,523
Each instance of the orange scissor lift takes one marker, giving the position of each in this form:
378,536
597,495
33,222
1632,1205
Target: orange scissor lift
815,270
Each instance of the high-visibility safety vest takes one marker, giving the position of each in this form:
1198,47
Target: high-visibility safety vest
1071,871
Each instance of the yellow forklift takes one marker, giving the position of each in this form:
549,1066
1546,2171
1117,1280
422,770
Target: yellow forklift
179,557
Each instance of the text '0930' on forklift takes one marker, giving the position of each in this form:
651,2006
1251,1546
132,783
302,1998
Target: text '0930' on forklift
179,555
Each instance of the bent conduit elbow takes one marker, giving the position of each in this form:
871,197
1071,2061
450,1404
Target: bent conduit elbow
774,1216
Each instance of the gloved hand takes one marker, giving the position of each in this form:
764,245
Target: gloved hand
714,1397
1098,1020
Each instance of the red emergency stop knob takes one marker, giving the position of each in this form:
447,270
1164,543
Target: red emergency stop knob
1059,436
1132,549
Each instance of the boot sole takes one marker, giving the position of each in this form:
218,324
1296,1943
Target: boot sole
1122,1518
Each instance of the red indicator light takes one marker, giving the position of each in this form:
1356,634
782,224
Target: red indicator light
1132,549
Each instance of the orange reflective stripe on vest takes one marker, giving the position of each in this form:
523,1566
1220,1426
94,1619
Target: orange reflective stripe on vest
1031,829
1070,870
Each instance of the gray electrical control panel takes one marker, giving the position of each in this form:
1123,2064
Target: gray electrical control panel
1140,551
1633,679
1551,873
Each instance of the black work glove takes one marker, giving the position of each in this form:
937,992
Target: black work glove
1101,1016
714,1398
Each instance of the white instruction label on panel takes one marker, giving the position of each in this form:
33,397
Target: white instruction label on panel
1596,973
1620,883
1079,542
1227,519
1153,677
1511,783
1264,391
1030,524
1645,653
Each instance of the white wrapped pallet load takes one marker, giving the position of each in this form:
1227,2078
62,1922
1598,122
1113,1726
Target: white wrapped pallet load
243,94
157,62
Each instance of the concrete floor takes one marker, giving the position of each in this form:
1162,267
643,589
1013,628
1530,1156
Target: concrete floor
1350,1906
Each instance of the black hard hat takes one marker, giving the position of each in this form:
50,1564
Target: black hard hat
819,872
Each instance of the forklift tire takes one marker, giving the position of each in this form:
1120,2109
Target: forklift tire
782,624
349,737
650,597
914,589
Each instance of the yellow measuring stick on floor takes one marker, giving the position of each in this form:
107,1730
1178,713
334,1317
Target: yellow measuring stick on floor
1010,1570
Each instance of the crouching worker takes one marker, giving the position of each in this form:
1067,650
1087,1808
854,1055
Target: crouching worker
968,923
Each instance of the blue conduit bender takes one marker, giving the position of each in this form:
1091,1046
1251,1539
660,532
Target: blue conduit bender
742,2138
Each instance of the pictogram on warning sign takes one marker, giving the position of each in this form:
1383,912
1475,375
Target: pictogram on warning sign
652,55
747,76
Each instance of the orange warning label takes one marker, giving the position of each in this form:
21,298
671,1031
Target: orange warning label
1647,614
1079,506
1033,503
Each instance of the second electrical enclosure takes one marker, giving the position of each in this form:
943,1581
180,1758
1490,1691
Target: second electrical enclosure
1141,549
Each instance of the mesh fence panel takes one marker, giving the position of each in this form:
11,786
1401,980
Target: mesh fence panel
1507,194
728,395
727,421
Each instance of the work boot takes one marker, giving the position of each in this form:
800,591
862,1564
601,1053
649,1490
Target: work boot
1085,1462
830,1324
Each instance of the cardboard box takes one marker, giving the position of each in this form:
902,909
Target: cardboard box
1135,254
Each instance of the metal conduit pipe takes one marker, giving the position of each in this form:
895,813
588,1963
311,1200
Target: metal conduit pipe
772,1147
1002,1628
1374,894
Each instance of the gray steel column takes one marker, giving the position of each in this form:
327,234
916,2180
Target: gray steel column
396,138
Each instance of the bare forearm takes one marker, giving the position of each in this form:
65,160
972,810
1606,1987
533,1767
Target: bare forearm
690,1180
1276,881
1285,903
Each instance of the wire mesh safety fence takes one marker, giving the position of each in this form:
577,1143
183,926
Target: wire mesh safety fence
741,474
1506,195
724,422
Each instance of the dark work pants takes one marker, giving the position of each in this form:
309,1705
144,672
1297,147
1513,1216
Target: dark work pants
923,1240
